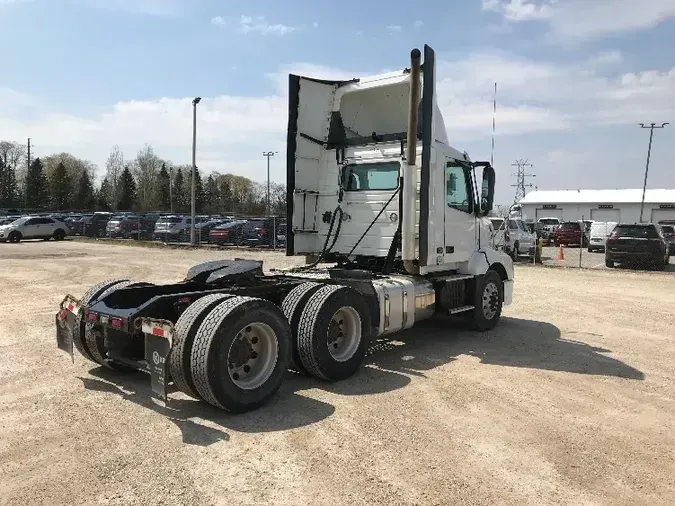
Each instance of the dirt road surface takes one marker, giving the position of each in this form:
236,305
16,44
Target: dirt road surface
570,400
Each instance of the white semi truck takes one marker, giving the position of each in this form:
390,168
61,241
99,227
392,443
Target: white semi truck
392,218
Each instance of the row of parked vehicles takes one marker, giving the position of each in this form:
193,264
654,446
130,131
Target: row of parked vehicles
644,243
224,230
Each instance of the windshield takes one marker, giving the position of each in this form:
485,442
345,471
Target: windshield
548,221
638,231
668,229
20,221
370,176
569,226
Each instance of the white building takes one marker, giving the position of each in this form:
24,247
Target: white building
600,205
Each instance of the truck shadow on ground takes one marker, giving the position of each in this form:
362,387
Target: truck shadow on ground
390,365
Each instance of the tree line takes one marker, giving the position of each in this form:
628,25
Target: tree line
63,182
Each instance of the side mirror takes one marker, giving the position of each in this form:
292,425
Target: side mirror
487,194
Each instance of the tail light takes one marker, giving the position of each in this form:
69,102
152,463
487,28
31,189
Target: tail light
92,317
117,322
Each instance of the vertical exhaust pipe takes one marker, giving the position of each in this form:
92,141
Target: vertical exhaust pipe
410,169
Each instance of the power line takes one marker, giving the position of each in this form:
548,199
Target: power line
521,175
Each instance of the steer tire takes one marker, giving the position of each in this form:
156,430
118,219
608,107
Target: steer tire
79,329
94,336
184,335
292,306
210,358
317,320
478,319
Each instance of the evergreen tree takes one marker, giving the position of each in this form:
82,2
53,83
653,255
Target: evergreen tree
126,191
37,194
212,195
9,190
163,189
84,193
102,195
178,196
59,185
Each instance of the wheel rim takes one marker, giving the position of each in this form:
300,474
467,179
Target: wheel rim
252,356
490,300
344,333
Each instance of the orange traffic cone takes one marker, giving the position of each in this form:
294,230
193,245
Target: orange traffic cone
561,253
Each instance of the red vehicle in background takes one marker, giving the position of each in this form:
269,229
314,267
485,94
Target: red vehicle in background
228,233
570,232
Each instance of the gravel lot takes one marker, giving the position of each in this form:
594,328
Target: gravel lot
571,400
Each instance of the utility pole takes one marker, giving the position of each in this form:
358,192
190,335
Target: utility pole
194,169
171,189
651,127
520,178
25,196
268,155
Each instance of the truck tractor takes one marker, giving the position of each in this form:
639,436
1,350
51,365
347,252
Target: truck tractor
393,222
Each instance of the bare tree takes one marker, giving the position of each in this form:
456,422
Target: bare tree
146,168
114,166
13,155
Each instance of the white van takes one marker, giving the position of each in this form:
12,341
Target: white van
515,241
600,230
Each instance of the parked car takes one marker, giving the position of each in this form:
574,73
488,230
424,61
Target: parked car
228,233
203,229
172,228
513,237
94,226
641,243
598,234
130,227
260,232
545,228
33,227
569,232
668,232
6,220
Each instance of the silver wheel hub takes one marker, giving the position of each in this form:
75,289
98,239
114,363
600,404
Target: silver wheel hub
490,300
252,356
344,333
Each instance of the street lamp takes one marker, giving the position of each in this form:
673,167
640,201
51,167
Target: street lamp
651,127
268,155
194,169
171,189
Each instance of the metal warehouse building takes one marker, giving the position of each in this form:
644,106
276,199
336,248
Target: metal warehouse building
599,205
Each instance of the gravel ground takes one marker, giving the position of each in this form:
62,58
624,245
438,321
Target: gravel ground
570,400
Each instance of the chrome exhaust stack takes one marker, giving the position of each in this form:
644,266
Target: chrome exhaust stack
410,169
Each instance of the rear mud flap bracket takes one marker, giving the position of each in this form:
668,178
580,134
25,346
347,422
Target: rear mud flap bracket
158,341
66,321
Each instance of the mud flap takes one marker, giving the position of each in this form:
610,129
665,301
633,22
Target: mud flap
66,320
158,342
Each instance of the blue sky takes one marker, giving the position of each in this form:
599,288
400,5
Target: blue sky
575,77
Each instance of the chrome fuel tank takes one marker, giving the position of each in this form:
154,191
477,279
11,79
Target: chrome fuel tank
404,300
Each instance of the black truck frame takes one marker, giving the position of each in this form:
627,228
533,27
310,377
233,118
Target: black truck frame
125,325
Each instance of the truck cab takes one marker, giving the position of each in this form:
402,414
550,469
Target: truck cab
356,178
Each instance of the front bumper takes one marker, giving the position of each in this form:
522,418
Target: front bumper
508,292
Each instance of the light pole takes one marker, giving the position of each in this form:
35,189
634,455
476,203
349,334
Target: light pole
268,155
651,127
171,189
194,169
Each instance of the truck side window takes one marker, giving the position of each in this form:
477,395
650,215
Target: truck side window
513,225
457,187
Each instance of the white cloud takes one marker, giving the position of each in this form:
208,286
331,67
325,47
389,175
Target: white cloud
418,24
249,24
532,96
145,7
520,10
394,28
584,19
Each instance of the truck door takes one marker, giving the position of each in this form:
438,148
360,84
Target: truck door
460,221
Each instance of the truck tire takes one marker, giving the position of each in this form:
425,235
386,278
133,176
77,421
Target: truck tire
95,339
185,329
488,302
292,306
79,329
240,353
333,333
